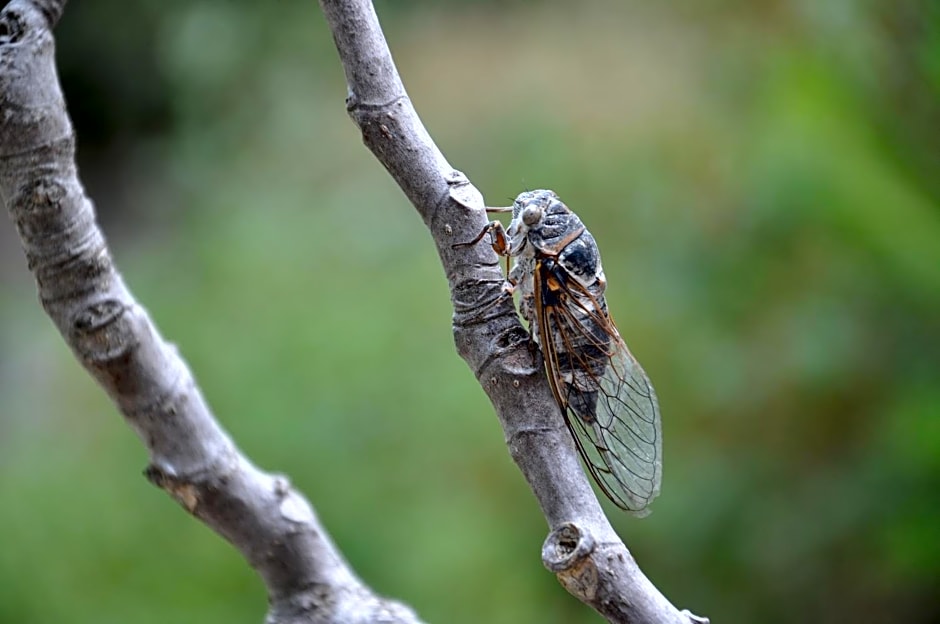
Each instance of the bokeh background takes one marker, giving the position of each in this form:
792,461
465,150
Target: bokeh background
762,176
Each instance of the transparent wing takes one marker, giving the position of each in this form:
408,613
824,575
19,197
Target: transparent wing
608,402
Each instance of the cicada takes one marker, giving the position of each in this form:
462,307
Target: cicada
607,400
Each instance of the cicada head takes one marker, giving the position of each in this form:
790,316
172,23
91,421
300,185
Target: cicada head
528,210
541,218
536,202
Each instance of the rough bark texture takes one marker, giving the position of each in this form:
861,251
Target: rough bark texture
582,548
191,457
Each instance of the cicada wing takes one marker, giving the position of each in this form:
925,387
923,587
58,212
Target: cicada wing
626,433
607,400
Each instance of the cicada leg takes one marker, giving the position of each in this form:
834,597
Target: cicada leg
498,239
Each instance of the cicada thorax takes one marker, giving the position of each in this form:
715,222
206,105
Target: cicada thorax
560,237
558,229
569,281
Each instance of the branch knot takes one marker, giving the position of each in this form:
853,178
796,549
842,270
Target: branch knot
567,552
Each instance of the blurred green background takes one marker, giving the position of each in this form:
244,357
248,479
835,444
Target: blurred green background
763,179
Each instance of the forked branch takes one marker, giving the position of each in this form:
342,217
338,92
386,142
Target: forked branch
582,548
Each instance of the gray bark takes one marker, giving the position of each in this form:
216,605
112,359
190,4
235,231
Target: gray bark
582,549
191,457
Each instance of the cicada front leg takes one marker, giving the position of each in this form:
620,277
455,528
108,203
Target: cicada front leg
499,241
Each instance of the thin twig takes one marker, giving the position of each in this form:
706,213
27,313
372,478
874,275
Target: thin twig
191,456
582,548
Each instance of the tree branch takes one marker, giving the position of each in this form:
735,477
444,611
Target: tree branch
582,548
191,457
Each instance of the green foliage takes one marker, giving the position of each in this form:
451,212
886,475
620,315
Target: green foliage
762,179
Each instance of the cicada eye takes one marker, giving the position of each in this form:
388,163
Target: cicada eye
531,215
